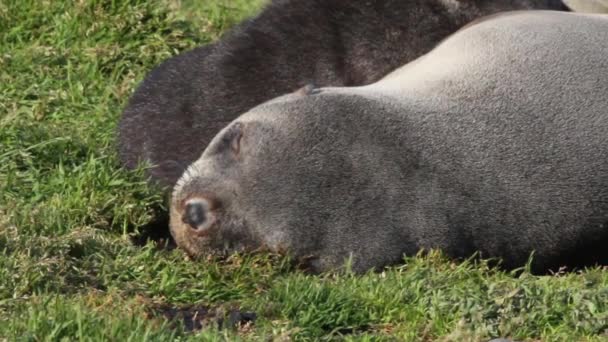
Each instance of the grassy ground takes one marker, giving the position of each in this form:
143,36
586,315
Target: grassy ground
68,266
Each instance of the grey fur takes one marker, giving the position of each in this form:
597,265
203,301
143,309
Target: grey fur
496,141
184,102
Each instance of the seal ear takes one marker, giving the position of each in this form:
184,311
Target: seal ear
306,90
231,140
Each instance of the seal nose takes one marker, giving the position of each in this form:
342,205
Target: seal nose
195,213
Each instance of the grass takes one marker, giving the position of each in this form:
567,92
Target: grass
70,271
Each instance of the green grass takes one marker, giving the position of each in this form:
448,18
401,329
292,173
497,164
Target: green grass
68,268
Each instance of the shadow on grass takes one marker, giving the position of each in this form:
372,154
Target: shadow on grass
156,231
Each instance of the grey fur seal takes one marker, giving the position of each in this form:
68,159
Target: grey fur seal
185,101
494,142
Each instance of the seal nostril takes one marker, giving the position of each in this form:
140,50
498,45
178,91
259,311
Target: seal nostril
194,214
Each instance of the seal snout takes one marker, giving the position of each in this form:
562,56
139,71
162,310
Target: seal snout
198,214
194,213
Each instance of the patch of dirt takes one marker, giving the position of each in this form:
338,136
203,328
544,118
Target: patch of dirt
197,317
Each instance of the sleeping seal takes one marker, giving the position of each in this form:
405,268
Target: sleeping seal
185,101
494,142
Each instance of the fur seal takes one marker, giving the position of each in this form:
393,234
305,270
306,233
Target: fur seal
493,142
186,100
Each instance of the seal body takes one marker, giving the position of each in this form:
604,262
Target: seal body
185,101
494,142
